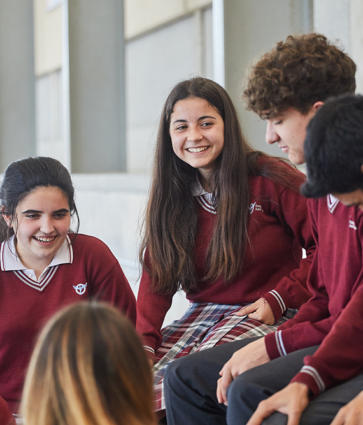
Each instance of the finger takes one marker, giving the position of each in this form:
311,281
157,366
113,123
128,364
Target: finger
219,393
255,316
262,412
246,310
226,379
294,418
338,420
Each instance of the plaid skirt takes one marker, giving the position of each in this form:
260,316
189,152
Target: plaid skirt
203,326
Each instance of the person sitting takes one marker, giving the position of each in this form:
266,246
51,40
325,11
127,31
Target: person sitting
224,223
88,367
45,265
287,87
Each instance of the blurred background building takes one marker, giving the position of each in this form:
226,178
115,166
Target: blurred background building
84,81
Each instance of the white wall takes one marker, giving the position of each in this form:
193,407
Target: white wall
155,62
110,207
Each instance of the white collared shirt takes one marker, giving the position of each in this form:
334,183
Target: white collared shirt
10,260
198,190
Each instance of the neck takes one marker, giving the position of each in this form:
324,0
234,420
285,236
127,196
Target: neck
38,266
205,182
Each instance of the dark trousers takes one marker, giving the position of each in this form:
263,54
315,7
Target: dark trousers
190,389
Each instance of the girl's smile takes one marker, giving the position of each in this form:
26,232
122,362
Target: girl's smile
197,134
41,225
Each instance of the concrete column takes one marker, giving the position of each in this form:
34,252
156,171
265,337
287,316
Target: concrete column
96,86
250,29
17,86
356,39
332,20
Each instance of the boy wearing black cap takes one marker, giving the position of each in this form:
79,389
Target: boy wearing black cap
287,87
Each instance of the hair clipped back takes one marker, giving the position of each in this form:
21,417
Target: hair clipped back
297,73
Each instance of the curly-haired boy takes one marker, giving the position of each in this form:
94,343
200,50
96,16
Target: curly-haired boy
289,83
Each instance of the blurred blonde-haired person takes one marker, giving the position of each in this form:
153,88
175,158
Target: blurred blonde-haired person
88,367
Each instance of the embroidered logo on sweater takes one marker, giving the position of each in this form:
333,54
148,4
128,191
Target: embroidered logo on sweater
80,288
352,223
332,203
255,207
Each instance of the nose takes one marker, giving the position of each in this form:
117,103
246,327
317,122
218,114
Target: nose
194,134
47,225
271,135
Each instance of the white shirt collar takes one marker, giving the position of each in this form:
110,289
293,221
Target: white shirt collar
198,190
10,260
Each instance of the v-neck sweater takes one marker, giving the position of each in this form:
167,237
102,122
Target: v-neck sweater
26,305
333,316
273,268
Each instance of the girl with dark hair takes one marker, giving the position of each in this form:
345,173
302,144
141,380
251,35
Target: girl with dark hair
88,367
224,223
44,265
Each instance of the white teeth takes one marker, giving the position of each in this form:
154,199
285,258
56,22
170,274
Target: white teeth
196,150
44,239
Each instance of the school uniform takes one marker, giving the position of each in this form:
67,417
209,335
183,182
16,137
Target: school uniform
320,347
82,269
6,418
273,268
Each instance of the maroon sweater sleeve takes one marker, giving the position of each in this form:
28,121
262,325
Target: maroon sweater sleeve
6,417
313,320
151,310
291,291
339,357
108,281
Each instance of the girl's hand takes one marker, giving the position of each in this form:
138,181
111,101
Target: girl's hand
260,310
291,401
252,355
352,413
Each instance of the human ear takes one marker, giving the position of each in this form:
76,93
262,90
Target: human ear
6,217
317,105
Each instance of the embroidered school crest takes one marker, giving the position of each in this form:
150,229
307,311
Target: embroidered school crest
80,288
254,207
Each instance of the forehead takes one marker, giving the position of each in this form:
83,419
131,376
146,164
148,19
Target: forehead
45,195
193,104
285,113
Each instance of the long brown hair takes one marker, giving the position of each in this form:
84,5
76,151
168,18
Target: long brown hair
88,368
170,225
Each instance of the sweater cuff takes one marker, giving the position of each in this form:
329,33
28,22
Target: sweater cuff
276,303
275,346
309,376
150,353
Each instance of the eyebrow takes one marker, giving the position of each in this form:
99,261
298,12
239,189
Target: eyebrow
199,119
41,212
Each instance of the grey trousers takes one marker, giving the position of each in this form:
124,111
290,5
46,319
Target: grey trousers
190,389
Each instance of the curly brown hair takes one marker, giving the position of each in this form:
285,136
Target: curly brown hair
297,73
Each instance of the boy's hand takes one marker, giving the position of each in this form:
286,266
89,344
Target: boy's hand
291,401
352,413
250,356
260,310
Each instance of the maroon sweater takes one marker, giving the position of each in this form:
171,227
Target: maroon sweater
24,310
333,316
273,268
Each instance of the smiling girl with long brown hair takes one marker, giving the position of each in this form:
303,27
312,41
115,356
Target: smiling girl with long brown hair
224,223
